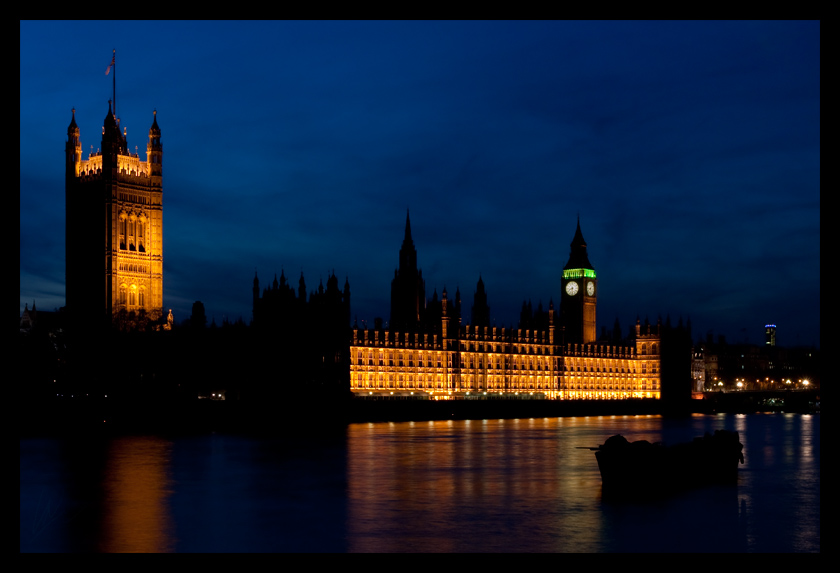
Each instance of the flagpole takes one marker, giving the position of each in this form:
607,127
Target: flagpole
114,60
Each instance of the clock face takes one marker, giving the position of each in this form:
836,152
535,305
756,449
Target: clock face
590,288
571,288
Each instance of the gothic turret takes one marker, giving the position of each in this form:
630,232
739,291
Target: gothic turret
480,310
154,149
73,148
445,314
113,143
408,291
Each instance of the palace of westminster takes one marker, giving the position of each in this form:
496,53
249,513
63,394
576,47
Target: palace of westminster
426,351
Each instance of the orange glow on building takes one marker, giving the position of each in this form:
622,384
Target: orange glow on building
497,362
440,359
129,190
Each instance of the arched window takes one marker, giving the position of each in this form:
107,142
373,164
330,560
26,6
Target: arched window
132,232
141,243
123,230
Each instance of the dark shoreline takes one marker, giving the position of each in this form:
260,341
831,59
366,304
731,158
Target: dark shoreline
58,418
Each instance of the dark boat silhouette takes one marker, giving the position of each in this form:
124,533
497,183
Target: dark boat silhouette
643,468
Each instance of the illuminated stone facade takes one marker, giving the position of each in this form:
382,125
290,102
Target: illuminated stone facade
114,227
434,356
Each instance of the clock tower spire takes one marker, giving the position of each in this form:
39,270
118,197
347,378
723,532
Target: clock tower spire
579,291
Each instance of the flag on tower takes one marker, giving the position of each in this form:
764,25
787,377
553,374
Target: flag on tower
113,58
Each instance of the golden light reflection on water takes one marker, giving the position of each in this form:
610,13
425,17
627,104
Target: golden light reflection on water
455,486
136,492
810,471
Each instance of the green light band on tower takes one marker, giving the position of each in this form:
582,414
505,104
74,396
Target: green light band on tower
578,273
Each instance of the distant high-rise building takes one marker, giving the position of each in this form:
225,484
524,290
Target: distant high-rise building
770,334
114,231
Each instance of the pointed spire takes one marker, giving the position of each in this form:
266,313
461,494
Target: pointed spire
578,239
578,259
73,128
332,283
154,131
408,254
407,227
110,121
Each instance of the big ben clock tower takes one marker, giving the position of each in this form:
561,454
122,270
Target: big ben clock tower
579,294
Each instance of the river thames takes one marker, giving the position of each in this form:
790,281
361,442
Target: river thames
513,485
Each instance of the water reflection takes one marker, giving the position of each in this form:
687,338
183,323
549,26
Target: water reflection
522,485
92,494
456,486
443,486
136,487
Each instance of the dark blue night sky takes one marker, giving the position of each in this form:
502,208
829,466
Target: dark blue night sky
689,150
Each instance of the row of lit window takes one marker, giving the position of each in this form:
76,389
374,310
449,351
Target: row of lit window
516,365
136,199
133,296
470,384
133,231
133,268
573,381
